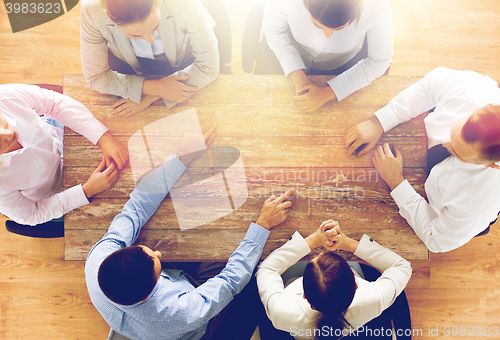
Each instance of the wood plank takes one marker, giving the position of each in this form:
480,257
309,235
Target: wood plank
263,182
264,151
351,213
260,90
254,121
185,246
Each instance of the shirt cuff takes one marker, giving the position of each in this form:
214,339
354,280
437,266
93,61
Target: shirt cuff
97,132
363,249
292,63
175,167
135,85
73,198
386,118
258,234
403,193
340,87
300,244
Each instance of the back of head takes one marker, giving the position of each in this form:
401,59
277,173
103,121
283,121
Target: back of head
334,13
329,287
123,12
483,128
127,276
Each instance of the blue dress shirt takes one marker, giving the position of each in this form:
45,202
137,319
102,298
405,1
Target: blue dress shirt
174,309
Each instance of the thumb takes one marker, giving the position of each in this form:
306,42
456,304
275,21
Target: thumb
398,153
101,165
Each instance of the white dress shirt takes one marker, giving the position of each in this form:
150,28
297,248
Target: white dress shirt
31,178
290,312
463,198
299,44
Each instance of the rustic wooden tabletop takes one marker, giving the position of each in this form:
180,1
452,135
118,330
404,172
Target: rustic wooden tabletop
281,147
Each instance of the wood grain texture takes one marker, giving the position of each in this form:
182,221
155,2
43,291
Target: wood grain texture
427,34
188,245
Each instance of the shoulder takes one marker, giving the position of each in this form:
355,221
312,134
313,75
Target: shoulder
90,5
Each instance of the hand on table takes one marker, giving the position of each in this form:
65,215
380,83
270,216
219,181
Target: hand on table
172,88
125,107
274,211
113,150
339,241
193,145
367,132
311,97
389,167
325,236
101,179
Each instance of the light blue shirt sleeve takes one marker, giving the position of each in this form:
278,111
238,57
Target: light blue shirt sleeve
143,202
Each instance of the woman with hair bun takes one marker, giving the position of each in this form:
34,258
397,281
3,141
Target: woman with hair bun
351,39
330,299
124,41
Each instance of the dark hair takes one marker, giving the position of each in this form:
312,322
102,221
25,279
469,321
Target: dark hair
123,12
334,13
127,276
483,127
329,287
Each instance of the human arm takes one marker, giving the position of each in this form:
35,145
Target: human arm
410,103
94,56
125,107
388,165
279,37
396,271
378,20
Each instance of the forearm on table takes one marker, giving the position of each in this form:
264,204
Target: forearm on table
299,78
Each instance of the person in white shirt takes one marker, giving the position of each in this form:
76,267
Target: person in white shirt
463,191
329,37
31,154
329,293
123,41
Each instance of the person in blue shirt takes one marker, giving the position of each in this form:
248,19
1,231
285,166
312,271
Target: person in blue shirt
140,301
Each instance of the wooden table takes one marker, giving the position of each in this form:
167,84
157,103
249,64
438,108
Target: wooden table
281,147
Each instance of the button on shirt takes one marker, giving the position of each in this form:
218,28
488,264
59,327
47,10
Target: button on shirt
31,178
463,198
299,44
174,309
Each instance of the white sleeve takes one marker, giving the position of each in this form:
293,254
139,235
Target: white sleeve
64,109
279,37
396,270
431,227
416,99
26,211
380,51
269,273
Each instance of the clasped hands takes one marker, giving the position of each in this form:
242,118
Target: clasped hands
330,237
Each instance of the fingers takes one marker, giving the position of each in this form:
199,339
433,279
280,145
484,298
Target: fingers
387,150
109,169
210,140
324,223
119,102
285,195
209,132
285,205
353,147
270,199
101,165
398,153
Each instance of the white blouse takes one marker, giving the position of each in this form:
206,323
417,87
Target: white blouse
299,44
31,178
463,197
290,312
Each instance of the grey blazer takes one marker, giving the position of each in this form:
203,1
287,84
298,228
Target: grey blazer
182,22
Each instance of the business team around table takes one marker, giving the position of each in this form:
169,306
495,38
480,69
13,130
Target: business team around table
147,50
